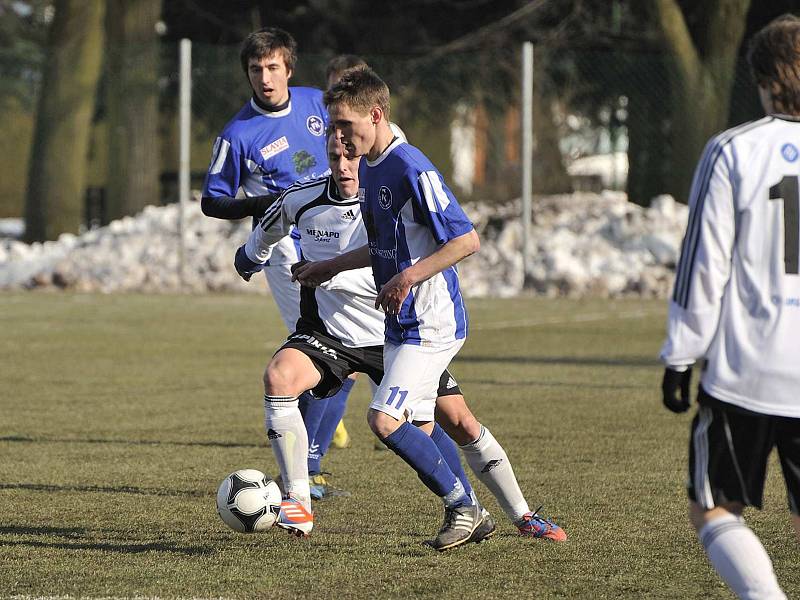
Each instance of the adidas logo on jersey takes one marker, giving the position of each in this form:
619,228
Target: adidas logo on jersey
272,434
451,383
349,215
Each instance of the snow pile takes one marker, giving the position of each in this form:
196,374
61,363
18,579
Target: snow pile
581,244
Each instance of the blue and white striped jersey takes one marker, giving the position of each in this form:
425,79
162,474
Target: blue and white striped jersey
736,300
264,152
409,212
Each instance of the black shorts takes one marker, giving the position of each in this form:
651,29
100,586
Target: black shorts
336,362
728,452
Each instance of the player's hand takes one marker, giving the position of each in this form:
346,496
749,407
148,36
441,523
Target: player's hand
675,388
244,266
312,274
393,293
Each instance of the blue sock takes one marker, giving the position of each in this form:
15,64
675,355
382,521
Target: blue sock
312,411
337,404
449,452
417,448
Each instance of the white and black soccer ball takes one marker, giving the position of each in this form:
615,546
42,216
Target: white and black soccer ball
248,501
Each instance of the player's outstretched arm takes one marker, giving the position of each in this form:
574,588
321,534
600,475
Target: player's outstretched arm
312,274
225,207
392,295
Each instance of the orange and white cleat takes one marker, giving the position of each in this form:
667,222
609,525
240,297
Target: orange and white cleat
295,518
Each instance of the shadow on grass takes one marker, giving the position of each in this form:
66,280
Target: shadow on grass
632,361
42,440
68,532
121,548
571,384
76,533
123,489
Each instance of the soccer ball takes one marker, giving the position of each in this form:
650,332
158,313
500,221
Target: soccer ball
248,501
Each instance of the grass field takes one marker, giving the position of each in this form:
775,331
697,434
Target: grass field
119,415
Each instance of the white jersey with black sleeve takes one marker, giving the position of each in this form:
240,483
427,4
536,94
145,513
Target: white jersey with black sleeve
736,300
329,226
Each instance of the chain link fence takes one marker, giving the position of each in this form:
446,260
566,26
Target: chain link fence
598,116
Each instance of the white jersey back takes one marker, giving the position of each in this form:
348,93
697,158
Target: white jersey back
329,225
736,300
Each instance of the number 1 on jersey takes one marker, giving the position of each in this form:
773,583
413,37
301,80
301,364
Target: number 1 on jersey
787,190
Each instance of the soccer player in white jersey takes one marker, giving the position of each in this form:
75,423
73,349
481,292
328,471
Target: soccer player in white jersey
339,332
337,326
736,305
276,139
417,232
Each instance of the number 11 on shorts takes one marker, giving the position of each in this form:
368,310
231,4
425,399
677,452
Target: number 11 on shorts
396,391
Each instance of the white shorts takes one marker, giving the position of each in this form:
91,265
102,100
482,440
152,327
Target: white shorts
279,279
410,381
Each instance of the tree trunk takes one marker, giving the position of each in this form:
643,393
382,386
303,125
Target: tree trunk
57,171
701,78
132,106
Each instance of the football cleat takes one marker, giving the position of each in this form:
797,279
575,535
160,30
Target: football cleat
485,530
536,526
458,527
294,518
320,488
341,439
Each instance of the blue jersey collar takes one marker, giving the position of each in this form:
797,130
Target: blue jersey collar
374,163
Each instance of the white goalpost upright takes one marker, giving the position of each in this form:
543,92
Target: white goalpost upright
184,167
527,153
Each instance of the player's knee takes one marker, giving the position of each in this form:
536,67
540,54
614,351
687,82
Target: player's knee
381,424
699,516
278,380
455,417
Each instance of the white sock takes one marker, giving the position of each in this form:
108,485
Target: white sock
740,559
489,463
289,441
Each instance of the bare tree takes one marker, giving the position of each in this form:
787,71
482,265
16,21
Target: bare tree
703,68
57,171
132,105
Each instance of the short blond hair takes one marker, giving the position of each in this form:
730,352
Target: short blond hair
774,58
361,89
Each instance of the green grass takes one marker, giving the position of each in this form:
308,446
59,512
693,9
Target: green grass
119,416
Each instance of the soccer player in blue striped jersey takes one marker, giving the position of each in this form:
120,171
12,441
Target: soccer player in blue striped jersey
275,140
417,233
736,304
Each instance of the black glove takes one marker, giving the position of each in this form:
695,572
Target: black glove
673,383
244,266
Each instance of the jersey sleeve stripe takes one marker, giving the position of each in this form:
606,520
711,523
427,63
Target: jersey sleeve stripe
683,275
433,191
220,153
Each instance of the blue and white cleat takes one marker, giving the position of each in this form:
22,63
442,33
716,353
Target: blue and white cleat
533,525
294,518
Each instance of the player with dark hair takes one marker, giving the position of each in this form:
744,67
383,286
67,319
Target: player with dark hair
275,140
339,64
416,234
340,332
736,304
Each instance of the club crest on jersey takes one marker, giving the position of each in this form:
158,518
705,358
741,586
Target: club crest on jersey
275,147
315,125
789,152
385,198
